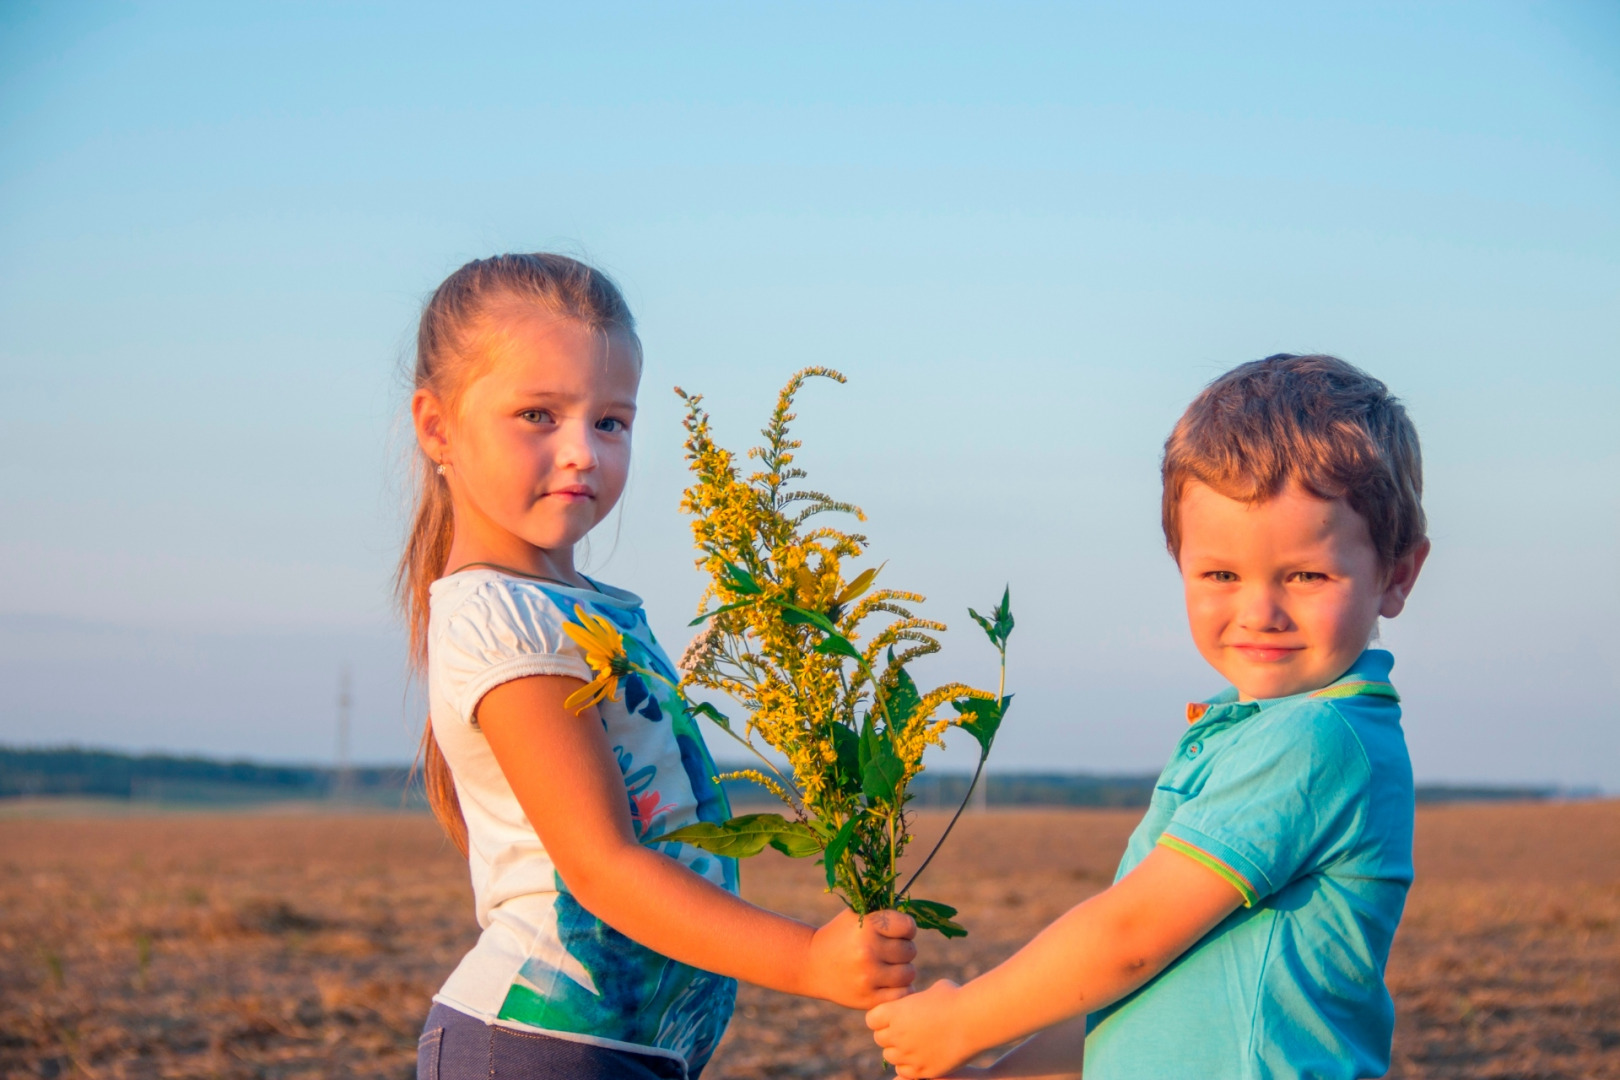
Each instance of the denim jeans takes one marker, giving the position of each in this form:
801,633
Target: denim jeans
455,1046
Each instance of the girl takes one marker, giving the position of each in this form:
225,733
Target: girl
604,953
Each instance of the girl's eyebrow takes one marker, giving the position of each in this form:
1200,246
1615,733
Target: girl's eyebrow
569,399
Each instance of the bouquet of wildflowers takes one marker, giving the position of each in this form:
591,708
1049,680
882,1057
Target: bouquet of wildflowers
818,661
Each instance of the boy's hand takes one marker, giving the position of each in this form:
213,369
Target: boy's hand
859,963
921,1035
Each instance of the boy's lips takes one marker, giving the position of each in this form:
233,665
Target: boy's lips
1267,654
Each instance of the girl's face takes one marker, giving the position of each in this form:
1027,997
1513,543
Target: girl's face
538,449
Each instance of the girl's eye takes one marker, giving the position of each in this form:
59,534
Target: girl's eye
611,424
1308,576
1221,577
535,416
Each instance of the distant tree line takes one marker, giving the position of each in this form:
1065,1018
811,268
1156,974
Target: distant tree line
165,778
944,790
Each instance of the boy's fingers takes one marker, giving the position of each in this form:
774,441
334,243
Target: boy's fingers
893,924
897,1057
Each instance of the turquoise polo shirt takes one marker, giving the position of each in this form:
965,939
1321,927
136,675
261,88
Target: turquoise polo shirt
1303,804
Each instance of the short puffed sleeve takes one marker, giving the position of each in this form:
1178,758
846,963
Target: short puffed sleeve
499,631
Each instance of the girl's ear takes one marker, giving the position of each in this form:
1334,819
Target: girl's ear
1402,576
432,424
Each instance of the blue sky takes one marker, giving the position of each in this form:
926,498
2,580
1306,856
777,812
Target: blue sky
1028,233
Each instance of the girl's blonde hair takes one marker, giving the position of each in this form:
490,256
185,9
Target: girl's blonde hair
448,358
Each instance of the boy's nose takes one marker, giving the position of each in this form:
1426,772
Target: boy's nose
1262,610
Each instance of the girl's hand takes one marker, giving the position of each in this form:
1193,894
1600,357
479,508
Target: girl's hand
859,963
921,1035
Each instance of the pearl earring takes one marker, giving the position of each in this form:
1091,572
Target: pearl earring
439,468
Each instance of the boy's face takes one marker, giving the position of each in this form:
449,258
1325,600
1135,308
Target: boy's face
1282,595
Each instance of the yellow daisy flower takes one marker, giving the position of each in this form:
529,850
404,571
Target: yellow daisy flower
604,651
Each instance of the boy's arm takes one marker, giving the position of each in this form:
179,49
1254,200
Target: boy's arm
1093,955
565,777
1057,1053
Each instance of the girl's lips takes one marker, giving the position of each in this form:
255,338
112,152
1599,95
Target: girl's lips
571,493
1266,654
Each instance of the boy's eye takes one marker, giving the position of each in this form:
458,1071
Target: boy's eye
535,416
611,424
1222,577
1308,575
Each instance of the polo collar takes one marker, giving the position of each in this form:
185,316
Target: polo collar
1368,676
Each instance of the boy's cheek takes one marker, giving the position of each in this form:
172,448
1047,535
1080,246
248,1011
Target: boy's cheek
1206,618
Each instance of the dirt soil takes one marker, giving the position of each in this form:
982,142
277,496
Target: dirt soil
308,944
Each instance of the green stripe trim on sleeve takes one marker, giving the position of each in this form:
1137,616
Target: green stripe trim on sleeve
1205,859
1357,689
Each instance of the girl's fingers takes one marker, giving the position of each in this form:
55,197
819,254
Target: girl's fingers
896,950
893,924
895,975
877,1018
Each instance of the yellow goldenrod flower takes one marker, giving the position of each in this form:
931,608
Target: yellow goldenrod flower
604,651
821,675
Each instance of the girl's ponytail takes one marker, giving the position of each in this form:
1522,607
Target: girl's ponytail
447,359
421,564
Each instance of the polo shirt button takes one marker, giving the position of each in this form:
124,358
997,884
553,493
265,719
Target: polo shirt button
1194,748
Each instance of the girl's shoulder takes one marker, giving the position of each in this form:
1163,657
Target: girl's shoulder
486,627
488,604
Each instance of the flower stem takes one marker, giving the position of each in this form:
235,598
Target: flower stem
984,754
941,841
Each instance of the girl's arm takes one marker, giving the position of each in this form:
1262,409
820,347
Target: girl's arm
1093,955
566,779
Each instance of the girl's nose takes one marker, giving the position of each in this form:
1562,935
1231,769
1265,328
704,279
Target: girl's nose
577,449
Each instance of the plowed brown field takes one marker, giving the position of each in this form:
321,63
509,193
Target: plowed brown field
308,944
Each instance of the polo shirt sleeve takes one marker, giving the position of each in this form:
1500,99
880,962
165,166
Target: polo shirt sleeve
1278,802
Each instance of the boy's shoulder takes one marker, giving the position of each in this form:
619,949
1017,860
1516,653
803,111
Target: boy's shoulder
1336,722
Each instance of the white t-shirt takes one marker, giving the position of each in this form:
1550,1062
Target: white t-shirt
544,963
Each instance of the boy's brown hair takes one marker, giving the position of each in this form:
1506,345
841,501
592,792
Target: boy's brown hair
1317,420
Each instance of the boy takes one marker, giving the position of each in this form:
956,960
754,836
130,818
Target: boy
1247,931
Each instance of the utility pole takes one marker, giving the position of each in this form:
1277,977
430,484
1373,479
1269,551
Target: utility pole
343,776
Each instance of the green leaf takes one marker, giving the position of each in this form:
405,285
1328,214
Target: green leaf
703,708
981,719
847,745
719,610
794,615
999,626
932,915
866,742
902,698
741,581
835,851
836,645
881,772
748,835
797,841
1004,616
